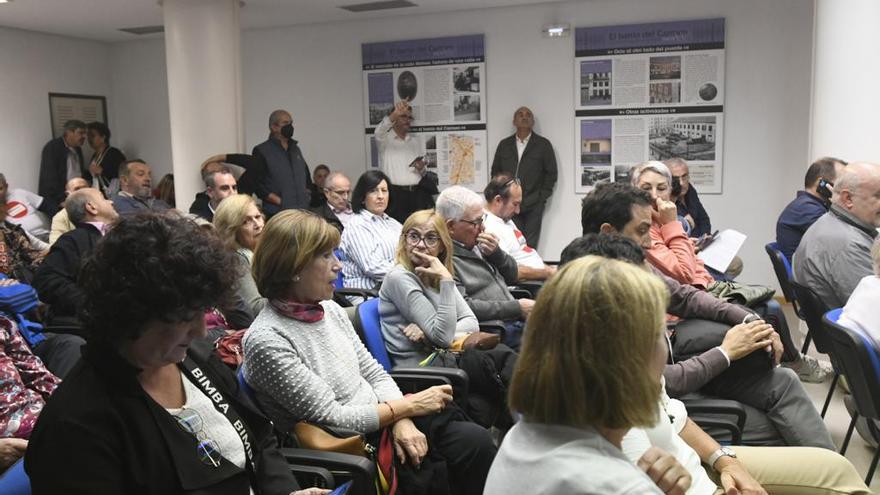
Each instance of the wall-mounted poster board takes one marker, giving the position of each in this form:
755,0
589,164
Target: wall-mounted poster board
445,81
649,92
64,107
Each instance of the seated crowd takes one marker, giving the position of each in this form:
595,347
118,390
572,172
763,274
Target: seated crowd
578,373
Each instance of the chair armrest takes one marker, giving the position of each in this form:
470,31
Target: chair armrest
722,423
313,476
416,379
343,467
351,291
519,292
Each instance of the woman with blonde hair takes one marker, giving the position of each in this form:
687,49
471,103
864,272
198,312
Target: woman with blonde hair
306,363
239,223
421,308
588,372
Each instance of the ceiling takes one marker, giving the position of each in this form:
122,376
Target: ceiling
101,20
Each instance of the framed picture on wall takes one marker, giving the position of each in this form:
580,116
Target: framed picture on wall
64,107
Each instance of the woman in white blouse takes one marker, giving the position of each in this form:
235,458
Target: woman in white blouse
369,241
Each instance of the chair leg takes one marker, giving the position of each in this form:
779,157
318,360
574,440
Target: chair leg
849,432
830,393
873,467
807,341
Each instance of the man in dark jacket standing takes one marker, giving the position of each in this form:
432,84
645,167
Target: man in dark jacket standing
284,180
530,159
61,161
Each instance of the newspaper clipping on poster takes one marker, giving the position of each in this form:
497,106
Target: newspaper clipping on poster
649,92
444,81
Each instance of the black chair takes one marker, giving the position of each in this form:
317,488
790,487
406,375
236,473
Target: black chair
723,415
861,366
323,469
813,309
785,276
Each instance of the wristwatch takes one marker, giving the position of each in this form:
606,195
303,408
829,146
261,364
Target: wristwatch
723,451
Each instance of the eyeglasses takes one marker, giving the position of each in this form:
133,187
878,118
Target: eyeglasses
512,181
342,192
413,238
227,187
191,422
477,222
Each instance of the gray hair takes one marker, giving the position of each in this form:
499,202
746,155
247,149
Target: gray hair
76,205
333,175
454,201
72,125
210,179
276,115
650,166
671,162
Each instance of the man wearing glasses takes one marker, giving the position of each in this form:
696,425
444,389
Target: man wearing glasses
337,209
482,270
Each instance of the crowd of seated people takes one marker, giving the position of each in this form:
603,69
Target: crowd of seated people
584,398
674,254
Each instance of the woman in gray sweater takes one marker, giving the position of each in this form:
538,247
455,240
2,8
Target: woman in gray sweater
420,307
306,363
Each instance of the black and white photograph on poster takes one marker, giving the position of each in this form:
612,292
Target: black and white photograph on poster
407,86
431,142
621,173
664,93
380,88
431,159
593,176
666,67
466,79
708,91
691,137
467,108
595,82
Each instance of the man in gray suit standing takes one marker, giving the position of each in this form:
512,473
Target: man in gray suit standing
530,159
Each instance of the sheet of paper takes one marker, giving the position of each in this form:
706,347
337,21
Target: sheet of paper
720,253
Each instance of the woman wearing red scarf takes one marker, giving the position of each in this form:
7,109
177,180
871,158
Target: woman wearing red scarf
305,361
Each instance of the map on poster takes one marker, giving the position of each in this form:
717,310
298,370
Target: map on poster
444,81
649,92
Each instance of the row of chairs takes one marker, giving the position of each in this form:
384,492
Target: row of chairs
852,353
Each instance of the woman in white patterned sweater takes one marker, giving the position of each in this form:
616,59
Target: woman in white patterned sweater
306,363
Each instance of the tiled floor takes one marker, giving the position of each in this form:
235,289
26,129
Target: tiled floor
837,418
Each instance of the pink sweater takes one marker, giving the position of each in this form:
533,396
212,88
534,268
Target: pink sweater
672,252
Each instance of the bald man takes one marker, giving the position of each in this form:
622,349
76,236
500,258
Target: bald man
530,159
61,223
55,280
835,253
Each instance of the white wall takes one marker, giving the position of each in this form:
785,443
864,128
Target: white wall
32,65
314,71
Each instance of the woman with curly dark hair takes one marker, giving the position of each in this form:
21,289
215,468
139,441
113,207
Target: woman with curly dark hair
144,412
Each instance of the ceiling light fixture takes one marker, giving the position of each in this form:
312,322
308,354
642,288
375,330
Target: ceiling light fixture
556,30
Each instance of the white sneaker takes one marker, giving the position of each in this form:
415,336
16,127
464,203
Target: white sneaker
811,370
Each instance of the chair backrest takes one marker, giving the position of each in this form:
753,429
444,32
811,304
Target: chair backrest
859,362
368,324
783,271
812,309
340,278
15,480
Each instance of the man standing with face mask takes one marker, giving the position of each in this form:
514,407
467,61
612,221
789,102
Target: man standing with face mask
285,179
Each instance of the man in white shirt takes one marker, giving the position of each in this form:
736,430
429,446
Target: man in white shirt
503,199
21,209
402,159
